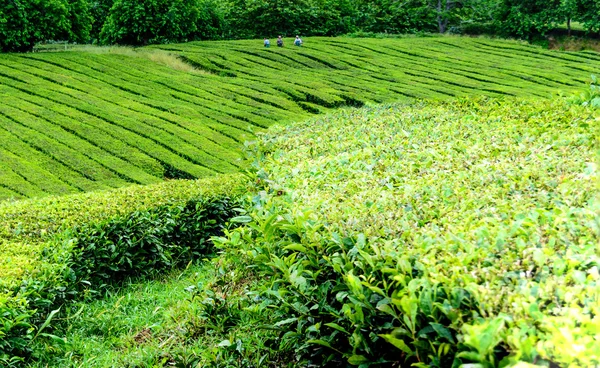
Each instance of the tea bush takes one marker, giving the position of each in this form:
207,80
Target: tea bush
590,97
75,247
428,234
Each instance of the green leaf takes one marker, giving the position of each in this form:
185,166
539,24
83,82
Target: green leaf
297,280
47,322
296,247
323,343
286,321
400,344
337,327
224,343
442,331
241,219
358,359
354,283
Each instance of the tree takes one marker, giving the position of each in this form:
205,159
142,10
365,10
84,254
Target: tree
395,16
211,20
141,22
79,20
528,18
568,10
588,12
259,18
445,11
99,10
25,22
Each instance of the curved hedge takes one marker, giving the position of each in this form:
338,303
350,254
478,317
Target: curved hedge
56,250
429,234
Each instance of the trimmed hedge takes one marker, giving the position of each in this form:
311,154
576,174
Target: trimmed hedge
56,250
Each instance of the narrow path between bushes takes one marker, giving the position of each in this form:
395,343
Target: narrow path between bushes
147,323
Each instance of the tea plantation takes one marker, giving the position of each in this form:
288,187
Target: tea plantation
362,202
81,121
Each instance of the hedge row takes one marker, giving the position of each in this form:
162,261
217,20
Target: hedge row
60,249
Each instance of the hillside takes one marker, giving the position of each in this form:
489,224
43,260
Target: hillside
433,234
83,121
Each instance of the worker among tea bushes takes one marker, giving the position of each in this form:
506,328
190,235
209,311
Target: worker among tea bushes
298,41
279,41
267,42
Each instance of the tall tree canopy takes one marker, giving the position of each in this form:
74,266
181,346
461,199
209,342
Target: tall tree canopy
99,10
588,12
528,18
141,22
25,22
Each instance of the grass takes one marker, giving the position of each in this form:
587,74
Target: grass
563,43
97,118
147,323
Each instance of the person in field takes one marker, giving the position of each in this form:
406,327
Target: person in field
298,41
279,41
267,42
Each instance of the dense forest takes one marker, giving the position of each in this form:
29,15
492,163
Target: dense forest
138,22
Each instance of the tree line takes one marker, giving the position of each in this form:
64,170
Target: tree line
23,23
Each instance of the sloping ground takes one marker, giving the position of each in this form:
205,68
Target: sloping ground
79,121
383,69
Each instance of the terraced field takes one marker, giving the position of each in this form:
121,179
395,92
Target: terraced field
82,121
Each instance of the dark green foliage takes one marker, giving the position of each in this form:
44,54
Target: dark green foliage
99,10
386,16
80,22
16,330
133,22
588,12
129,22
528,19
211,22
25,22
257,18
146,241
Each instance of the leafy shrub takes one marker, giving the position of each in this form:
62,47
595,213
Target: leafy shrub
590,97
429,235
81,261
144,242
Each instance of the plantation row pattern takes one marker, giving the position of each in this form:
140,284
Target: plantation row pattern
81,121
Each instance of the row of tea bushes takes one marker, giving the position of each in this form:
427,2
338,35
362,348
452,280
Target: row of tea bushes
103,118
429,234
59,249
